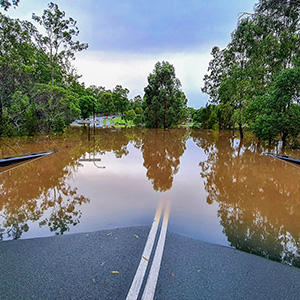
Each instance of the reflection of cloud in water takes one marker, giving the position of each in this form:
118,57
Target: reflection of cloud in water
221,191
120,194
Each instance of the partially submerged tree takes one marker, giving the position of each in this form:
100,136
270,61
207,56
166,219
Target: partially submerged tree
280,114
243,74
120,99
164,101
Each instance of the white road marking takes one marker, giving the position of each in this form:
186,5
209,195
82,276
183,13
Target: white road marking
140,273
150,287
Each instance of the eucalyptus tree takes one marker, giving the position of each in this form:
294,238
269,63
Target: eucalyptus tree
217,72
164,102
280,113
58,40
229,81
241,76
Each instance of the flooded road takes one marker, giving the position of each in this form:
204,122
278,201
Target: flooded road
220,190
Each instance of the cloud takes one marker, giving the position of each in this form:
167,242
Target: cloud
139,26
126,38
131,71
158,26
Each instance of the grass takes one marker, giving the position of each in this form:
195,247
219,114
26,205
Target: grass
118,122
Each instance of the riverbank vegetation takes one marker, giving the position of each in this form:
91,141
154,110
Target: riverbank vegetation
253,83
40,89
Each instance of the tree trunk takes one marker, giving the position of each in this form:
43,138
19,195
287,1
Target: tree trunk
51,63
166,117
241,131
284,136
1,121
52,80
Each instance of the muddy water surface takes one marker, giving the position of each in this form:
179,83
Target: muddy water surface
221,191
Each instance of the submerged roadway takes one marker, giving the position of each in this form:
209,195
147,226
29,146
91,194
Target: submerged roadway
103,265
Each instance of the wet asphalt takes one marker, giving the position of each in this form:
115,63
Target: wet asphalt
102,265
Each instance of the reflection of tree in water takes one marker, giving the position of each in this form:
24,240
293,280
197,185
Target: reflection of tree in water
258,197
39,188
38,191
161,152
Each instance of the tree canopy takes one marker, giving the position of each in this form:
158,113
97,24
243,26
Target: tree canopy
163,101
248,74
6,4
34,98
58,41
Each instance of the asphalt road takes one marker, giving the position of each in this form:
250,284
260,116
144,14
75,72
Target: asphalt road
102,265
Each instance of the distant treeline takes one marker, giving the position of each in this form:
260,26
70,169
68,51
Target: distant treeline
254,82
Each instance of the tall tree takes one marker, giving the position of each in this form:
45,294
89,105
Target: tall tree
59,41
280,114
164,101
120,98
242,75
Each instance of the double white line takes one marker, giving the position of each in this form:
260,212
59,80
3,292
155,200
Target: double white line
137,282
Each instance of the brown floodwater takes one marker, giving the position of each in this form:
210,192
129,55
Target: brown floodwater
221,190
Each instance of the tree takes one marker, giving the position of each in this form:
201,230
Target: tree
54,107
130,115
242,75
6,4
206,117
106,103
120,98
13,80
163,101
59,40
279,114
218,69
87,105
137,104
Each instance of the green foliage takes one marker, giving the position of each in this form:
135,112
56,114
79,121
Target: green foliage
59,40
130,115
138,120
280,115
86,104
254,79
28,104
164,102
137,104
294,121
54,108
120,99
265,127
206,117
106,104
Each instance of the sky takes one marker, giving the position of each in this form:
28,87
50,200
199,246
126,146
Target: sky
127,37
